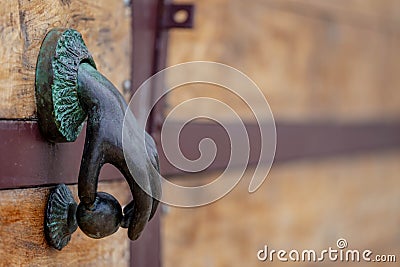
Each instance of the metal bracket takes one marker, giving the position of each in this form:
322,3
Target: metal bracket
178,16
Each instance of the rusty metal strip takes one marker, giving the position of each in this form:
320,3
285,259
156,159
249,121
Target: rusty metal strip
28,160
294,141
149,48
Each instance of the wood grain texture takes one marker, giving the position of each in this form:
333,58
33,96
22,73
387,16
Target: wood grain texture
313,60
104,25
22,241
301,205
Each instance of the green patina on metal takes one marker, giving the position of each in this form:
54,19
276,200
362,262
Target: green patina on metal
60,220
59,110
70,52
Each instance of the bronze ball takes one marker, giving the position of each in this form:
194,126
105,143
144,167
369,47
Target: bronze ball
102,218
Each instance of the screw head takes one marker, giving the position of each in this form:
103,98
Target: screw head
126,86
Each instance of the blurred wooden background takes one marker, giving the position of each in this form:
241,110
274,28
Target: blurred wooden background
313,59
330,61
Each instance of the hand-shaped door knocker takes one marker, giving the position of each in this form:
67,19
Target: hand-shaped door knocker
69,89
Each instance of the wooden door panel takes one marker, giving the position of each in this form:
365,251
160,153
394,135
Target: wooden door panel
104,25
302,204
107,29
314,60
22,236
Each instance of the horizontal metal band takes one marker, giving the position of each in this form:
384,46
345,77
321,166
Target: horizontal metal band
294,141
27,159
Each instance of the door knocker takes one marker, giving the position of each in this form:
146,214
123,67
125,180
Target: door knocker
69,89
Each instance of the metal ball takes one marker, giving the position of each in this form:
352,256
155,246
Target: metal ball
102,218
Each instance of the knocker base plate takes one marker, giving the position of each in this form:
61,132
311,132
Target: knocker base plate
60,114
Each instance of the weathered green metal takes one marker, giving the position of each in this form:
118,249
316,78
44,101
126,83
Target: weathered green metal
69,88
59,111
60,220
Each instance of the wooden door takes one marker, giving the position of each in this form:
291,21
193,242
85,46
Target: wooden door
329,70
29,165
